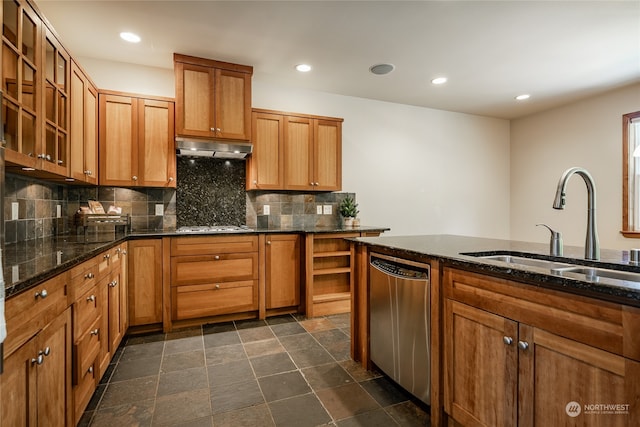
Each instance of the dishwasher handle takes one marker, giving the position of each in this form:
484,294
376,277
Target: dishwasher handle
400,270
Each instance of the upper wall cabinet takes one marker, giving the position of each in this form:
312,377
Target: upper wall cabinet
84,127
295,152
213,98
35,84
137,146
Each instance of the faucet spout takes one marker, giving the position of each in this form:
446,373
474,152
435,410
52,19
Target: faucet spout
592,246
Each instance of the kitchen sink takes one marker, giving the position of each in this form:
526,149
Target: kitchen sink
593,274
530,262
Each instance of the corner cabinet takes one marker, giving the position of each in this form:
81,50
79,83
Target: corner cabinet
213,98
509,361
295,152
137,144
84,127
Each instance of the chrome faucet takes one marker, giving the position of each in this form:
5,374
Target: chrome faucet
592,247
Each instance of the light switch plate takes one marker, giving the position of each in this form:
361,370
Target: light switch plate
14,210
319,209
15,273
58,211
266,210
327,210
159,210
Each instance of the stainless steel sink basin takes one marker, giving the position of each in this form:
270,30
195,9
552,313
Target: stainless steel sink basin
530,262
593,274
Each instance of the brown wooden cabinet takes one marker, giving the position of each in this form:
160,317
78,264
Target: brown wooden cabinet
213,98
295,152
145,282
84,127
518,356
282,254
137,146
213,275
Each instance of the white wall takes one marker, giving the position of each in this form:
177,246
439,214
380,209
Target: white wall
415,170
587,134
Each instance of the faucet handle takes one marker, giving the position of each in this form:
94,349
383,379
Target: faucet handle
555,244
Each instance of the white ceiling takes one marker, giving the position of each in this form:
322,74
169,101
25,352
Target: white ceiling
491,51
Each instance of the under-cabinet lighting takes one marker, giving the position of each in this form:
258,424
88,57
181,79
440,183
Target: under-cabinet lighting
28,169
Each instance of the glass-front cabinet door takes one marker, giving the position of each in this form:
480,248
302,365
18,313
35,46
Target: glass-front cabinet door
55,147
21,42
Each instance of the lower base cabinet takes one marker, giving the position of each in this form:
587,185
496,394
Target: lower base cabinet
503,367
145,282
37,378
282,271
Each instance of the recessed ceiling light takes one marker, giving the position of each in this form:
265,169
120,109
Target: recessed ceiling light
382,69
130,37
303,68
439,80
523,97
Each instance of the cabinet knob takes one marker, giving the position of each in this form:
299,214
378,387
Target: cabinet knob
89,276
134,177
60,162
107,256
217,286
46,351
90,370
91,298
87,172
113,284
507,340
217,257
124,252
42,294
170,179
268,242
523,345
96,331
316,183
38,360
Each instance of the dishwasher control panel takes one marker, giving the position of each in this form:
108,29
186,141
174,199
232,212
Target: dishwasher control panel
400,270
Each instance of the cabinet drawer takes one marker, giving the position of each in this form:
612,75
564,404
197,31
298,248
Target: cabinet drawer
87,348
30,311
201,245
87,309
191,270
83,391
195,301
83,277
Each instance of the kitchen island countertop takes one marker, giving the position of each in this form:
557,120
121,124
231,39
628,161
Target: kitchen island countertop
453,251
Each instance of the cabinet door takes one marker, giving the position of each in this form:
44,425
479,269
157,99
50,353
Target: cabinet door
145,282
118,133
298,153
156,143
54,154
117,326
54,374
327,155
233,104
195,100
282,270
84,128
560,378
481,369
19,387
265,166
21,80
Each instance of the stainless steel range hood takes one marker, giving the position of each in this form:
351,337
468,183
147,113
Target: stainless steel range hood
192,147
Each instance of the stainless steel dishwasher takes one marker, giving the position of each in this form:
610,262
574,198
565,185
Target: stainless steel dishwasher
399,298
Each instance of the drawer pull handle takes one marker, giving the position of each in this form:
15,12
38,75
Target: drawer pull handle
89,276
42,294
118,250
113,284
507,340
38,360
107,256
96,331
523,345
91,298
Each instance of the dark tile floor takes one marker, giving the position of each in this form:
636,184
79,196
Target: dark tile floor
283,371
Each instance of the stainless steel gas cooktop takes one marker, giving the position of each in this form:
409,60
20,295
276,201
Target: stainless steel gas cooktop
214,229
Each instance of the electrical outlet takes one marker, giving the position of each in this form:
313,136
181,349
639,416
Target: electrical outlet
319,209
14,210
15,273
327,210
58,211
159,209
266,210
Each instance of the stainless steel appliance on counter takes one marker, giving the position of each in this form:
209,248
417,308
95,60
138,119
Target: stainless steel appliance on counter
399,299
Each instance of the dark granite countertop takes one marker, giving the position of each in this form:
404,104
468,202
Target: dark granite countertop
451,250
25,264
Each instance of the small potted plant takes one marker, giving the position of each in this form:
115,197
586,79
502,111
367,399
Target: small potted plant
348,210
